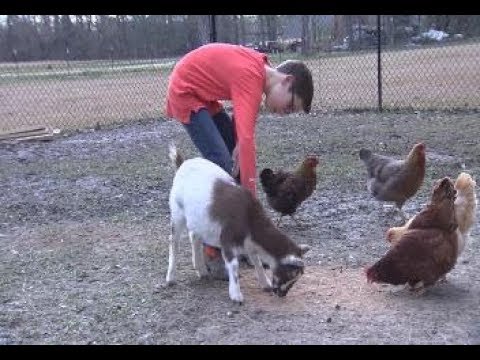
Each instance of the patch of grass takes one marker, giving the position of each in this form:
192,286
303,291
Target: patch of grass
84,75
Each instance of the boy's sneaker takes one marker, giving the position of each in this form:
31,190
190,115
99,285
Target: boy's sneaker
214,262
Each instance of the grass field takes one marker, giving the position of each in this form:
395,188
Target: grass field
37,70
82,94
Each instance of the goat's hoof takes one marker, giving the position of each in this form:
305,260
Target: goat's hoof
267,287
237,299
170,282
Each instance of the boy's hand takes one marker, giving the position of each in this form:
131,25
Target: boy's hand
236,162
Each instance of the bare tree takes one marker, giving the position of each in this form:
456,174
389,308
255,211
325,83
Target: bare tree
236,29
243,38
306,40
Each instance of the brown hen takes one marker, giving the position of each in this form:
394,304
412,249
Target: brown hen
285,191
395,180
427,251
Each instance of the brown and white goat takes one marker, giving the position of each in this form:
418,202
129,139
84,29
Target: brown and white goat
206,201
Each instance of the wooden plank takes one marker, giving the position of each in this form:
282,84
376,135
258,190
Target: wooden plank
41,133
42,137
22,134
24,129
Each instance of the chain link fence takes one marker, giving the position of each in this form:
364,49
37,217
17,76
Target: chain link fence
78,71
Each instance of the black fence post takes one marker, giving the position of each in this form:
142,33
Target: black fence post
67,57
379,62
213,29
111,56
14,53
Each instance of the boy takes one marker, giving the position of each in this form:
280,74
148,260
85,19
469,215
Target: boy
215,72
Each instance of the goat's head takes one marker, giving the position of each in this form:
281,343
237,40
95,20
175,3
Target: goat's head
288,272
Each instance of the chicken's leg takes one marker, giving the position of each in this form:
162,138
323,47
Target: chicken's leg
443,279
402,213
418,289
396,209
279,219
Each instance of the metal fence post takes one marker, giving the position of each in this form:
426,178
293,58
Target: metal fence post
14,53
213,29
379,63
111,56
67,53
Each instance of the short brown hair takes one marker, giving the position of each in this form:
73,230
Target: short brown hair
303,83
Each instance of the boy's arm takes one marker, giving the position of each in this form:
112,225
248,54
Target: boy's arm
236,164
245,109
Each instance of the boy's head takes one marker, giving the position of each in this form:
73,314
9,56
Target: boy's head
295,92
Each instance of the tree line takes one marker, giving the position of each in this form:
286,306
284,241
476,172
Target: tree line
88,37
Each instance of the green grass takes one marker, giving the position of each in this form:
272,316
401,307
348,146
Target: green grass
74,72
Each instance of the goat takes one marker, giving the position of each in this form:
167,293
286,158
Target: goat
207,202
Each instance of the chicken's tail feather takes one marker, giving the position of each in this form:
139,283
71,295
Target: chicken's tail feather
266,179
365,154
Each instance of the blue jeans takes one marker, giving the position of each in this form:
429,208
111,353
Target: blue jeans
213,136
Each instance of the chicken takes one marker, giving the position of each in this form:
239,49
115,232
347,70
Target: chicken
465,212
428,249
394,234
285,191
395,180
465,207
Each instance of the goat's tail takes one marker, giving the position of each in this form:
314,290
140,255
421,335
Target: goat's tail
175,157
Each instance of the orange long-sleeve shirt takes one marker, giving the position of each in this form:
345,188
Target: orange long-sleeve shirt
217,72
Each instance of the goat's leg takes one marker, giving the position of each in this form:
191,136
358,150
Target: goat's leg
174,238
264,281
232,266
197,255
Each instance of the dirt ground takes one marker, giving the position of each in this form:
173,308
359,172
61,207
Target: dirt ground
84,230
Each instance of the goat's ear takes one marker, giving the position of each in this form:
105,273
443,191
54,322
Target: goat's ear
292,261
304,248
